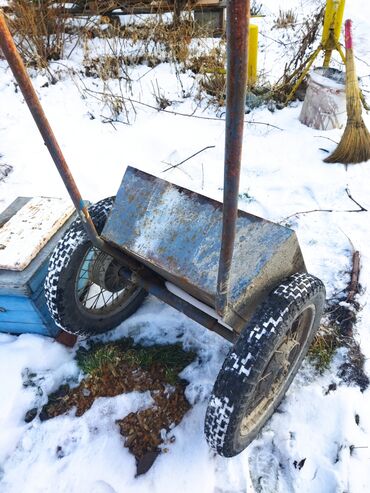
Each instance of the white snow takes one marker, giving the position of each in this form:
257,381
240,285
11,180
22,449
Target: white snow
283,173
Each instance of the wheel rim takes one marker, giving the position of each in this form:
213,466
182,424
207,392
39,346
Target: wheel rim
95,300
281,365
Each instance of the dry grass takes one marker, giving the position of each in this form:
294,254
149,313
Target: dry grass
150,44
285,19
256,7
211,68
214,84
40,30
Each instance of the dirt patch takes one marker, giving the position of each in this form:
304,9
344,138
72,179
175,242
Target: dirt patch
121,367
338,331
146,431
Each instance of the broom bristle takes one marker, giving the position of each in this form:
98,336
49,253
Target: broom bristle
354,146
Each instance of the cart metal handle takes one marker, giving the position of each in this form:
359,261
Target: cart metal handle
237,30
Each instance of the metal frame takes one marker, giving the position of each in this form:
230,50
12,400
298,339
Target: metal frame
238,13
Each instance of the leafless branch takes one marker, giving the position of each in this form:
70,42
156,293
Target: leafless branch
187,159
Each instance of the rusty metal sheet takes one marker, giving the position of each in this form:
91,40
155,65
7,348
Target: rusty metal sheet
178,234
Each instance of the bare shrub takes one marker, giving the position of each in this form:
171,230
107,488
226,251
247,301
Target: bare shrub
40,28
308,34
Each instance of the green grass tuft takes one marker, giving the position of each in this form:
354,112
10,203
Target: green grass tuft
98,357
323,348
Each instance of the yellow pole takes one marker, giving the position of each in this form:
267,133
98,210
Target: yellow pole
332,27
328,21
252,54
330,41
339,19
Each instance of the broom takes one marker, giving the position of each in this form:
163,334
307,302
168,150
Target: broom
354,146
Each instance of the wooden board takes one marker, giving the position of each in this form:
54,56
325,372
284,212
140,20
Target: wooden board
24,235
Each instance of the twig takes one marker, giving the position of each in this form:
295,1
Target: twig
321,210
187,159
362,60
361,209
355,201
277,41
305,212
355,274
327,138
177,113
107,119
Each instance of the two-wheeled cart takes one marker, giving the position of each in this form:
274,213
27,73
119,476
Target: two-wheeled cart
234,273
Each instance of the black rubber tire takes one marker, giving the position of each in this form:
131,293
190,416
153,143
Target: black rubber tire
60,282
296,302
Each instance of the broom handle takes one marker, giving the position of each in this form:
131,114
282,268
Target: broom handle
348,34
20,73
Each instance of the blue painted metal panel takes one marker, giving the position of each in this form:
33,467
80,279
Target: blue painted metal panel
178,234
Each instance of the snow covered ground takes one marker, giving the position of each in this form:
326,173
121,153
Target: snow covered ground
283,173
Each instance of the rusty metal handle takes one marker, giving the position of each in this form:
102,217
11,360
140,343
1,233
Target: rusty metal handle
19,71
238,14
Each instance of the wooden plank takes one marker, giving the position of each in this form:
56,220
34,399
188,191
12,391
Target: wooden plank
19,314
24,235
15,303
208,3
37,281
18,309
132,7
31,318
13,208
39,301
30,280
21,328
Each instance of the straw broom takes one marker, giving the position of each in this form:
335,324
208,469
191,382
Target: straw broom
354,146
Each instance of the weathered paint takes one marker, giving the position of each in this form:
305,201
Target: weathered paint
22,298
177,233
18,309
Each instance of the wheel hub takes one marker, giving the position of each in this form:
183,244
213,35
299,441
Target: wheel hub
104,271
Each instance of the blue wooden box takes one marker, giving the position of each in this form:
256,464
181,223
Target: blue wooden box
22,299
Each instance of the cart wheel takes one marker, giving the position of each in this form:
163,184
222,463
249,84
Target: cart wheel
263,362
84,293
